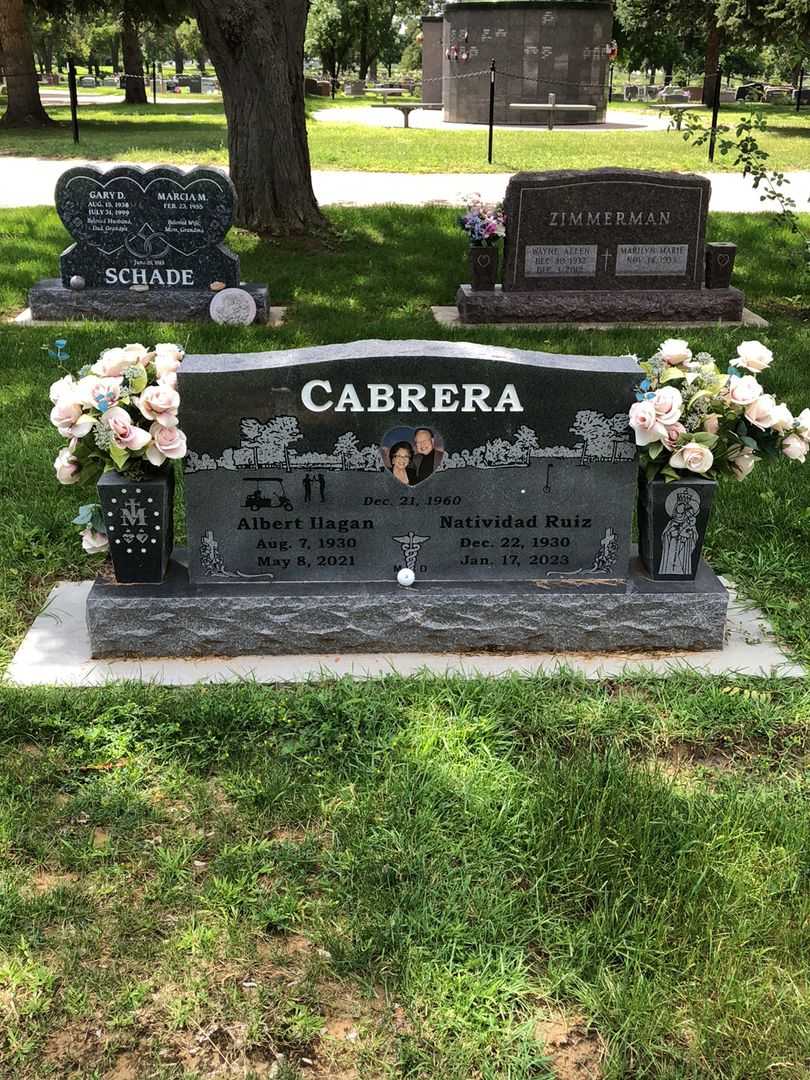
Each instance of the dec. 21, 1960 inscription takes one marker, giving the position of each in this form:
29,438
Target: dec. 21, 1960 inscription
460,462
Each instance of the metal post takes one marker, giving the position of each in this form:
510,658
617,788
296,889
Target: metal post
154,82
491,107
552,101
74,100
715,111
799,91
610,85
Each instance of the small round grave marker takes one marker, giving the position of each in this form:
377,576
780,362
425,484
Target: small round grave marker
77,282
233,307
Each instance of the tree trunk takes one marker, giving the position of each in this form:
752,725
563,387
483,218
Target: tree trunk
668,74
201,63
714,42
135,92
24,107
257,49
179,59
114,50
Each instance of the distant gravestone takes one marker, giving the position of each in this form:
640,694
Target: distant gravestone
148,244
604,245
161,227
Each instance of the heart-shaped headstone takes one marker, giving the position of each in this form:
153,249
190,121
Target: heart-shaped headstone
159,227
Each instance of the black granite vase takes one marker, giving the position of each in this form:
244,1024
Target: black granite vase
672,521
719,265
483,267
138,515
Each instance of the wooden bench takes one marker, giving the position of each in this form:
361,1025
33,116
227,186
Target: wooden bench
406,108
552,108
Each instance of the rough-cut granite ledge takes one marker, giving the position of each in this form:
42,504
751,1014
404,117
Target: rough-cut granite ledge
178,619
601,305
50,300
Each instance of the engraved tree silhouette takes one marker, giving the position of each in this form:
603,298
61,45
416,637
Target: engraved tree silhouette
272,439
526,442
597,435
346,449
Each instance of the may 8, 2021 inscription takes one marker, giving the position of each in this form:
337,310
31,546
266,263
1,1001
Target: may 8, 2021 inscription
460,462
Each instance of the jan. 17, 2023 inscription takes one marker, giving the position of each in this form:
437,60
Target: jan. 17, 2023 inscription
327,464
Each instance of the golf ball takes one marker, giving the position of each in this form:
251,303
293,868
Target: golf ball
406,577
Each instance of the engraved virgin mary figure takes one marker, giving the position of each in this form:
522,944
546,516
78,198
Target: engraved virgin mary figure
680,535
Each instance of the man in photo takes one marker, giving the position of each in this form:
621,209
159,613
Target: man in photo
427,457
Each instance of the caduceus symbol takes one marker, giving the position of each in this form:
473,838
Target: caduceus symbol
410,545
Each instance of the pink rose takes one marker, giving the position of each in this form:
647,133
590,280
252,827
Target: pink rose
644,422
674,432
169,379
167,442
694,457
743,461
165,365
94,542
668,405
63,387
711,423
168,351
67,466
795,448
743,390
761,413
126,435
69,418
99,392
159,403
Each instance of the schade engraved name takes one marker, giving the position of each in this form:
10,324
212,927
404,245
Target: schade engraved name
599,218
317,396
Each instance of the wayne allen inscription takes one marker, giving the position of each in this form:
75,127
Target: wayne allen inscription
605,227
158,228
484,464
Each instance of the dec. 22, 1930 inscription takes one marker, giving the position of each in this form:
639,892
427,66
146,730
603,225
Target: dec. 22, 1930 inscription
461,462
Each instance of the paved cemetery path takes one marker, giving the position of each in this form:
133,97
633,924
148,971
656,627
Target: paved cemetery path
31,182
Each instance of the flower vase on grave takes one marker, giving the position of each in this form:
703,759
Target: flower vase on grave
719,265
139,518
672,520
483,267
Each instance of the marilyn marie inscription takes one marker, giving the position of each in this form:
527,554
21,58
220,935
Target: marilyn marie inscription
160,227
605,229
331,464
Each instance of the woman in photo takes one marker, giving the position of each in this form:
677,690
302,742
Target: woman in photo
401,454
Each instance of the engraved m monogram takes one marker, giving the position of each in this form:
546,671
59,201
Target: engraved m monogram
133,514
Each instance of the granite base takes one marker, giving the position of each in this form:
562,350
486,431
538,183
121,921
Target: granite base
181,620
600,305
49,300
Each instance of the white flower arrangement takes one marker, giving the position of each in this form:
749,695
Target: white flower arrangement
691,418
119,413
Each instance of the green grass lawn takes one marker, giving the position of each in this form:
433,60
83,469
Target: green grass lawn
424,879
193,131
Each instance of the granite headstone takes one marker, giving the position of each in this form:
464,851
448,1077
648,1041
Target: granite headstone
604,245
516,466
160,227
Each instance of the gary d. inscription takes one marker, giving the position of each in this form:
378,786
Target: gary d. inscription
460,462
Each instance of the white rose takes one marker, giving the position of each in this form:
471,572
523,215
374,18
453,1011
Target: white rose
743,461
675,351
644,422
795,448
169,379
66,466
694,457
761,413
743,390
165,365
61,388
94,542
168,351
753,356
111,362
668,404
803,423
167,442
782,418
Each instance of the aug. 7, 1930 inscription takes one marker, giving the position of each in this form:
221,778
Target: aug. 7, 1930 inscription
460,462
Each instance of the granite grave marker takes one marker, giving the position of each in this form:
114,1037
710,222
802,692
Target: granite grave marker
604,245
148,243
503,480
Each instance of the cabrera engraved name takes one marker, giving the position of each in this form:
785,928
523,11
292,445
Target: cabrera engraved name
317,396
568,218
